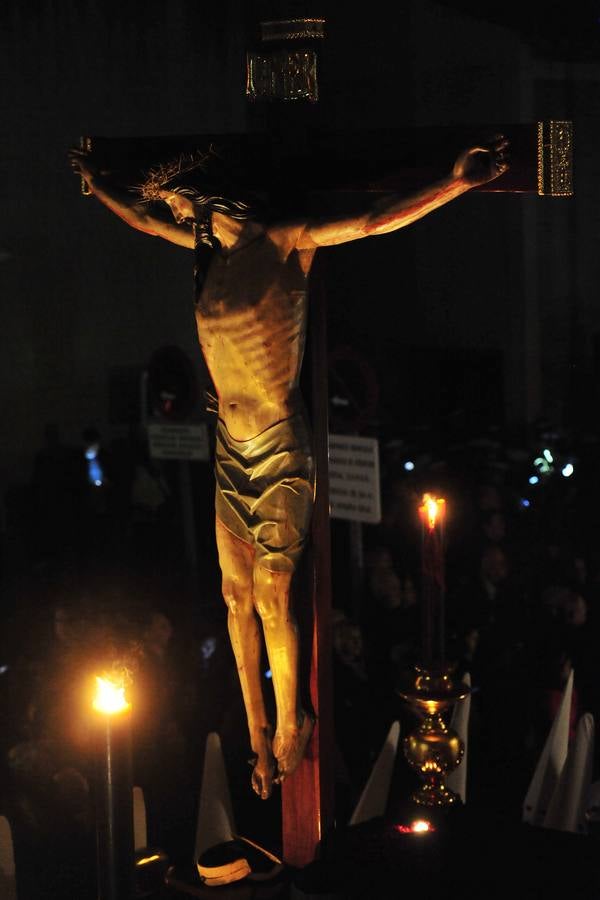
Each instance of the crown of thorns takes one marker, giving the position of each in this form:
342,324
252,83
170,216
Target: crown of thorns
158,178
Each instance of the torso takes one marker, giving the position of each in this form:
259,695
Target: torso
251,320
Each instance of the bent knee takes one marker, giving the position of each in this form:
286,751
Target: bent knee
269,611
272,596
237,597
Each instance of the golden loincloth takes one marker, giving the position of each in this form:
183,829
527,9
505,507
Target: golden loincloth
265,490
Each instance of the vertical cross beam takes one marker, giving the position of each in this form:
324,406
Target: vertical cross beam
283,66
308,796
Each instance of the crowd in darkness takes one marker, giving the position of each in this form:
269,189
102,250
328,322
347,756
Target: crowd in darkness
94,570
96,579
522,603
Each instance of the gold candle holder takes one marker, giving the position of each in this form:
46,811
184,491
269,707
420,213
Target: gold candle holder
433,749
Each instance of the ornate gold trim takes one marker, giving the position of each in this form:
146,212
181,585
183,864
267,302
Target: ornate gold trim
85,143
292,29
555,159
282,75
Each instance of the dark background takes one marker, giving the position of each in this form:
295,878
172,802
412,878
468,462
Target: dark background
498,291
477,322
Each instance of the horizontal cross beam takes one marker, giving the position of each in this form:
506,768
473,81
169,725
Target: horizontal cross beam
380,160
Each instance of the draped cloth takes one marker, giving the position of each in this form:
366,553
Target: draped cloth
265,490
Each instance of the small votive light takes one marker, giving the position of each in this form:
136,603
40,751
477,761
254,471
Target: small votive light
418,826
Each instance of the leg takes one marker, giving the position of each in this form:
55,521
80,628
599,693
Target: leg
294,727
236,560
267,484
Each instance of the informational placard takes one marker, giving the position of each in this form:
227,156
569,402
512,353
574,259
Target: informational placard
168,440
354,486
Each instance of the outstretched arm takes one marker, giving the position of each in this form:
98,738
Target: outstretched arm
475,166
142,216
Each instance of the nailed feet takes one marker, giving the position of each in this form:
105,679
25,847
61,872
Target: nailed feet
263,764
290,745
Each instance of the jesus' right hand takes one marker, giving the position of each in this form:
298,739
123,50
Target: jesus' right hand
82,163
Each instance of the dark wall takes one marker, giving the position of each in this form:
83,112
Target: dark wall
81,291
488,277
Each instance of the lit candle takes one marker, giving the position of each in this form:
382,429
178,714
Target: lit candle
114,793
432,513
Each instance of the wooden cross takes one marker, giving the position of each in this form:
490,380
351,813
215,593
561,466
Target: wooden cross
352,162
334,169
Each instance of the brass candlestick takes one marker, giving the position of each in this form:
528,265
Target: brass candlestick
114,793
433,749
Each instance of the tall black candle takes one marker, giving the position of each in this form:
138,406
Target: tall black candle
114,794
433,581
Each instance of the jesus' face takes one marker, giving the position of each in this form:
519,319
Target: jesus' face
181,207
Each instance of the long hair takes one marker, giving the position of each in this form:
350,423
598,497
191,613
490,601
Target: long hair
203,179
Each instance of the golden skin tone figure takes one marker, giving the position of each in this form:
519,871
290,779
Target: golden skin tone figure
251,320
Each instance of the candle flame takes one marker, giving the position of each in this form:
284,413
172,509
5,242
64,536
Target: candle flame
432,509
110,697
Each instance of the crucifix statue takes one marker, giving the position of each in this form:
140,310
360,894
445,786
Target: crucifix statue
252,262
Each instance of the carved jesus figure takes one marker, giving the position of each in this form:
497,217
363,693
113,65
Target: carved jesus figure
251,308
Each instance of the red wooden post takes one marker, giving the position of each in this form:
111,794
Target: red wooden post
308,796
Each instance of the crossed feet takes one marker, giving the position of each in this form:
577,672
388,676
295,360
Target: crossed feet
275,759
263,763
